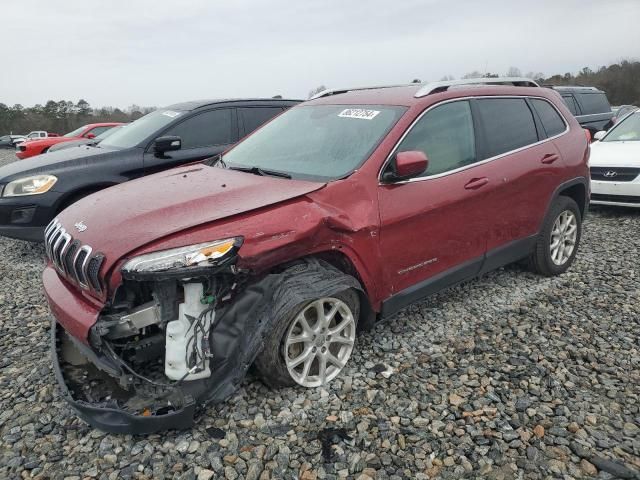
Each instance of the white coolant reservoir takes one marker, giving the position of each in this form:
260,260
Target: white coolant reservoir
181,335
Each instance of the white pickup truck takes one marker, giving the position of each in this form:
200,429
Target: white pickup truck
38,134
35,135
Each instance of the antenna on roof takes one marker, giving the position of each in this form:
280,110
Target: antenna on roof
437,87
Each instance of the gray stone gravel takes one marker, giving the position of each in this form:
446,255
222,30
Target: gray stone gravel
509,376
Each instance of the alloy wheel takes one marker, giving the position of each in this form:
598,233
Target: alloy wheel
563,237
319,342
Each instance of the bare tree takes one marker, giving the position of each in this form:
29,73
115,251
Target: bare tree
535,75
474,74
447,78
514,72
316,90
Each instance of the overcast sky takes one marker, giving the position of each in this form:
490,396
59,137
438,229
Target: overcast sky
152,53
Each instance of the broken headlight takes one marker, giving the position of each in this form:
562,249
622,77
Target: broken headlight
200,255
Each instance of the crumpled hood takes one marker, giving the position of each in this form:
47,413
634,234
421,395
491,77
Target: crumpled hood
50,162
615,154
126,217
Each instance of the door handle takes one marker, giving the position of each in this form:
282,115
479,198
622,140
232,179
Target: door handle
476,183
549,158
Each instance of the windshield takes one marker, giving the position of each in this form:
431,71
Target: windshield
76,132
628,130
317,142
106,133
141,129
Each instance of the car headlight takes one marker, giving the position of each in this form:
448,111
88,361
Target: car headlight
29,186
200,255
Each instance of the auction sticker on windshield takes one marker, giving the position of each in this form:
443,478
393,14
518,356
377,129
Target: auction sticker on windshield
170,113
360,113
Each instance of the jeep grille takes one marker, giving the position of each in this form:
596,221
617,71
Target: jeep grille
72,259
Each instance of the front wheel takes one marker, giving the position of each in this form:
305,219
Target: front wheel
558,242
312,344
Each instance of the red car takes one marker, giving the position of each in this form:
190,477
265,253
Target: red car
334,215
36,147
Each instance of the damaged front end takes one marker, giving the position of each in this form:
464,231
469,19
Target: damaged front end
152,360
179,333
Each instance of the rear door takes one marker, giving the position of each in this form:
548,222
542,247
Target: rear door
250,118
203,134
525,166
433,228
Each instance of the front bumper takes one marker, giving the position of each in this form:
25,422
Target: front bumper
25,218
108,417
624,194
73,316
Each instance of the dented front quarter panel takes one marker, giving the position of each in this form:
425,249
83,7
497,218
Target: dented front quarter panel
293,229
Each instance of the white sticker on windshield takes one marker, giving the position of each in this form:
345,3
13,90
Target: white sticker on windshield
361,113
170,113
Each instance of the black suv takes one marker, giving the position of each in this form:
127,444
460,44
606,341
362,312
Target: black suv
33,191
589,105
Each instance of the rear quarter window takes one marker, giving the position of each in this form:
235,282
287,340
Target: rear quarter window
508,125
552,122
570,102
593,103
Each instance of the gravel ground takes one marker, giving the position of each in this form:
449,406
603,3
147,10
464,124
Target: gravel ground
509,376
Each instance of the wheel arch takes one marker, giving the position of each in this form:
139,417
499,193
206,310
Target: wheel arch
577,189
578,192
349,265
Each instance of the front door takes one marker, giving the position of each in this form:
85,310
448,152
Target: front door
203,135
433,228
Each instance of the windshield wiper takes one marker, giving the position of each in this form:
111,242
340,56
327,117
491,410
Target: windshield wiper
215,160
261,171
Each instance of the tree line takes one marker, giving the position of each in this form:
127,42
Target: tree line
621,80
62,117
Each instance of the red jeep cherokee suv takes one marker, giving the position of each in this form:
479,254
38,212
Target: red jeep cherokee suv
337,213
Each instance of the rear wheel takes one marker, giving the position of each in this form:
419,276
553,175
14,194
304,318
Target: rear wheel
558,242
311,345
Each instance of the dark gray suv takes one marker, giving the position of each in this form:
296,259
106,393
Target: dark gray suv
589,105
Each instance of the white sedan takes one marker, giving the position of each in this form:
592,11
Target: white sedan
615,164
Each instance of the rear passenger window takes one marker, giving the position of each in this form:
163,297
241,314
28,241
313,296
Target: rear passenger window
551,120
571,103
445,135
205,129
252,118
594,103
508,124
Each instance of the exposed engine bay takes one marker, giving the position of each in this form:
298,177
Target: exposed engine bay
167,346
153,339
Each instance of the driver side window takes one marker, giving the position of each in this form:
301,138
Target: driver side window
205,129
445,134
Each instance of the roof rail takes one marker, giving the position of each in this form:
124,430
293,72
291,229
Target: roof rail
437,87
335,91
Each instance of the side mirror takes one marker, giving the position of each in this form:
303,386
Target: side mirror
407,165
167,144
90,136
599,135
